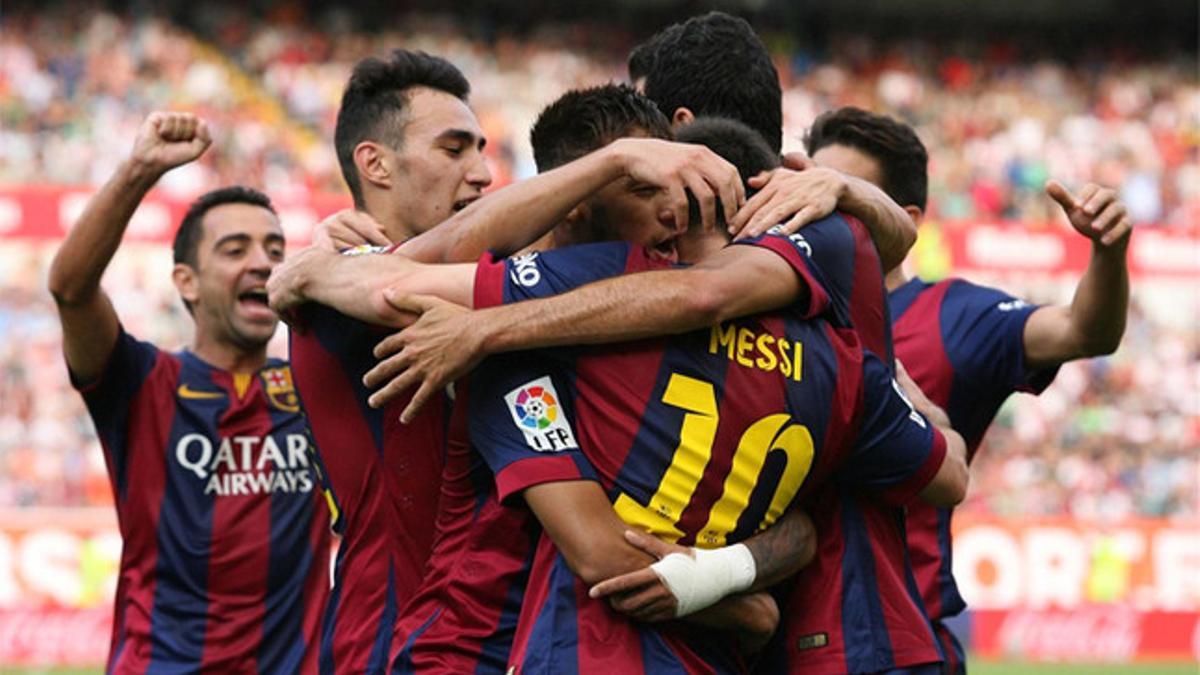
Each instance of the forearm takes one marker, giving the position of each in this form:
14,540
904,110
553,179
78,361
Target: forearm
85,253
892,230
783,549
647,304
511,218
737,281
1101,302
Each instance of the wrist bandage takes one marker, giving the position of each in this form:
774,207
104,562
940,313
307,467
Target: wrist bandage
706,576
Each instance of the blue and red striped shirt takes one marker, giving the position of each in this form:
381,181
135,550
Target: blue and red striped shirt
964,346
384,477
702,440
464,616
226,537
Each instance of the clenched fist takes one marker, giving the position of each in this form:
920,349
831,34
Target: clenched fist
166,140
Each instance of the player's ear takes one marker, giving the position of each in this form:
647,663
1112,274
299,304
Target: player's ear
373,164
915,213
187,282
682,117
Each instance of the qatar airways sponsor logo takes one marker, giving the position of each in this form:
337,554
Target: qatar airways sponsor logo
247,465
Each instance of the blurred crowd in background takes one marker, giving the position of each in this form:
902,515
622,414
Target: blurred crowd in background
1113,437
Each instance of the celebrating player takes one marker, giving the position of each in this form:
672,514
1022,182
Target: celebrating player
226,542
969,347
410,152
388,497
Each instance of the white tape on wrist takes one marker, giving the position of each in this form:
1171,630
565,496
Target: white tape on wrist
704,577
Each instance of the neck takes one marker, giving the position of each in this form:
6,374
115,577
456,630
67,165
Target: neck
389,216
229,357
694,247
895,278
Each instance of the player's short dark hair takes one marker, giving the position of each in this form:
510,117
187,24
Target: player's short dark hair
187,237
374,102
736,143
902,157
716,64
642,58
583,120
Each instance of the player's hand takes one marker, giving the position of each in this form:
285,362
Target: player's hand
288,280
1096,213
675,167
349,228
641,594
437,349
166,140
793,198
920,402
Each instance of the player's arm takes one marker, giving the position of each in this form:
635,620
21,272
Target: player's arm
796,198
904,448
514,217
779,552
579,519
1092,325
90,325
354,284
949,485
446,343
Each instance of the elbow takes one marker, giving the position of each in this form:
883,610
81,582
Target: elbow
65,291
593,566
1104,345
597,560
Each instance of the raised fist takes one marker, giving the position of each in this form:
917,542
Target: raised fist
166,140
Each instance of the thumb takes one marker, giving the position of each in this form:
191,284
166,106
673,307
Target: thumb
405,302
759,180
647,544
1060,194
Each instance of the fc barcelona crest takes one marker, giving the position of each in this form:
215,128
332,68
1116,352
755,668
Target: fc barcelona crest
277,382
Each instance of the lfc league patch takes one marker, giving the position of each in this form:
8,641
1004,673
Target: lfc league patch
537,411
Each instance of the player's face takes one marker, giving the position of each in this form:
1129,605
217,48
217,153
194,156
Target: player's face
850,161
440,164
635,212
240,245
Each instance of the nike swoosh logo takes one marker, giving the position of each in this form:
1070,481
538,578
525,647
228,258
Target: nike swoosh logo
187,392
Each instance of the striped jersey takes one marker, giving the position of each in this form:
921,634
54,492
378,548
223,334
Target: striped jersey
384,478
964,346
224,565
702,439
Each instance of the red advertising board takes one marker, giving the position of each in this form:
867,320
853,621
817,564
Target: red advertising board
47,212
1056,589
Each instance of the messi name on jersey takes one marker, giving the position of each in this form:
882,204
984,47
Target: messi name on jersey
229,465
762,351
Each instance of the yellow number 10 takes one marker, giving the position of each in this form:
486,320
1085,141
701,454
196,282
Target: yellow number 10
661,514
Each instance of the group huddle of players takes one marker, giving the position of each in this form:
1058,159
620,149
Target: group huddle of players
652,410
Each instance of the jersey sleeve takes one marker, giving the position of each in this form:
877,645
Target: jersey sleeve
984,330
897,451
823,255
521,422
108,396
540,274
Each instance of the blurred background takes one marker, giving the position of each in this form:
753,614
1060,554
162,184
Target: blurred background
1080,540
